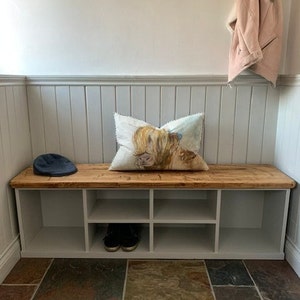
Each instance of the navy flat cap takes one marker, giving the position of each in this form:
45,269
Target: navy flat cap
52,164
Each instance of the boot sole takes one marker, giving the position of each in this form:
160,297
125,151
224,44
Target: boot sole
112,249
128,249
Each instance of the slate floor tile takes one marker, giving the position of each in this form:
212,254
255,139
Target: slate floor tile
228,272
17,292
275,279
28,271
83,279
167,280
106,279
236,293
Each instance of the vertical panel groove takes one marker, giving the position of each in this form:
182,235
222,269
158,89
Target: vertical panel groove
234,118
86,123
43,117
159,116
263,126
219,117
130,102
71,116
175,102
190,100
102,132
249,118
57,123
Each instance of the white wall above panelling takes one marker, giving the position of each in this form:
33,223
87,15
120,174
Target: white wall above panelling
104,37
118,37
110,37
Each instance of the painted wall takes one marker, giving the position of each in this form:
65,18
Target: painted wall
117,37
287,154
287,158
15,154
111,37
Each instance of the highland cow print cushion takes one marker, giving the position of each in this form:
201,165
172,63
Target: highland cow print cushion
174,146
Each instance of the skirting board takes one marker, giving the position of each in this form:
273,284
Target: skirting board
9,258
292,255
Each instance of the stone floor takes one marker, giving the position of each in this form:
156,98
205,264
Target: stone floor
63,279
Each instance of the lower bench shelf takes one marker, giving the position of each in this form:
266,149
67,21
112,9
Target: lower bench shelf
176,222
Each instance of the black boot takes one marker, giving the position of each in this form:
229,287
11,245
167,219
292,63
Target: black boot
112,237
129,236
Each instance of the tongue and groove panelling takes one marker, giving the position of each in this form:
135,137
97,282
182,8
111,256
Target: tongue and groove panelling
15,155
76,120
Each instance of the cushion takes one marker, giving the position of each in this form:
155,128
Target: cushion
174,146
52,164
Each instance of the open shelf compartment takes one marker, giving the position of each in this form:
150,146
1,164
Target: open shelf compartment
181,239
117,206
48,227
97,233
185,206
253,223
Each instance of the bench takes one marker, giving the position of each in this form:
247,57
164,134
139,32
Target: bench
229,212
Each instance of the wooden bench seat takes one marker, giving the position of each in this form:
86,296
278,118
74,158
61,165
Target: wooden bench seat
233,176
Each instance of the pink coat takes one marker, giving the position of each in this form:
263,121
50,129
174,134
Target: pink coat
257,38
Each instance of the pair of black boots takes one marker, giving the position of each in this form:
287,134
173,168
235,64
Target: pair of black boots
122,235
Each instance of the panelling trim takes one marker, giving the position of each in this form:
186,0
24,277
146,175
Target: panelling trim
9,258
9,80
289,80
293,255
144,80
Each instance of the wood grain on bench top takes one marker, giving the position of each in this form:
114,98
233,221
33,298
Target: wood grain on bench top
218,177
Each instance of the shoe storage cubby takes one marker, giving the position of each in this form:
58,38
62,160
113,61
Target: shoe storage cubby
96,248
252,223
52,222
173,223
117,206
178,240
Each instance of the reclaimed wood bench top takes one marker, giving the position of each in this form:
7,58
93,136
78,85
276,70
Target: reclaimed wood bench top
230,176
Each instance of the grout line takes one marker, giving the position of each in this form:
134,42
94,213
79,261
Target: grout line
18,284
125,280
256,287
234,285
39,284
211,286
